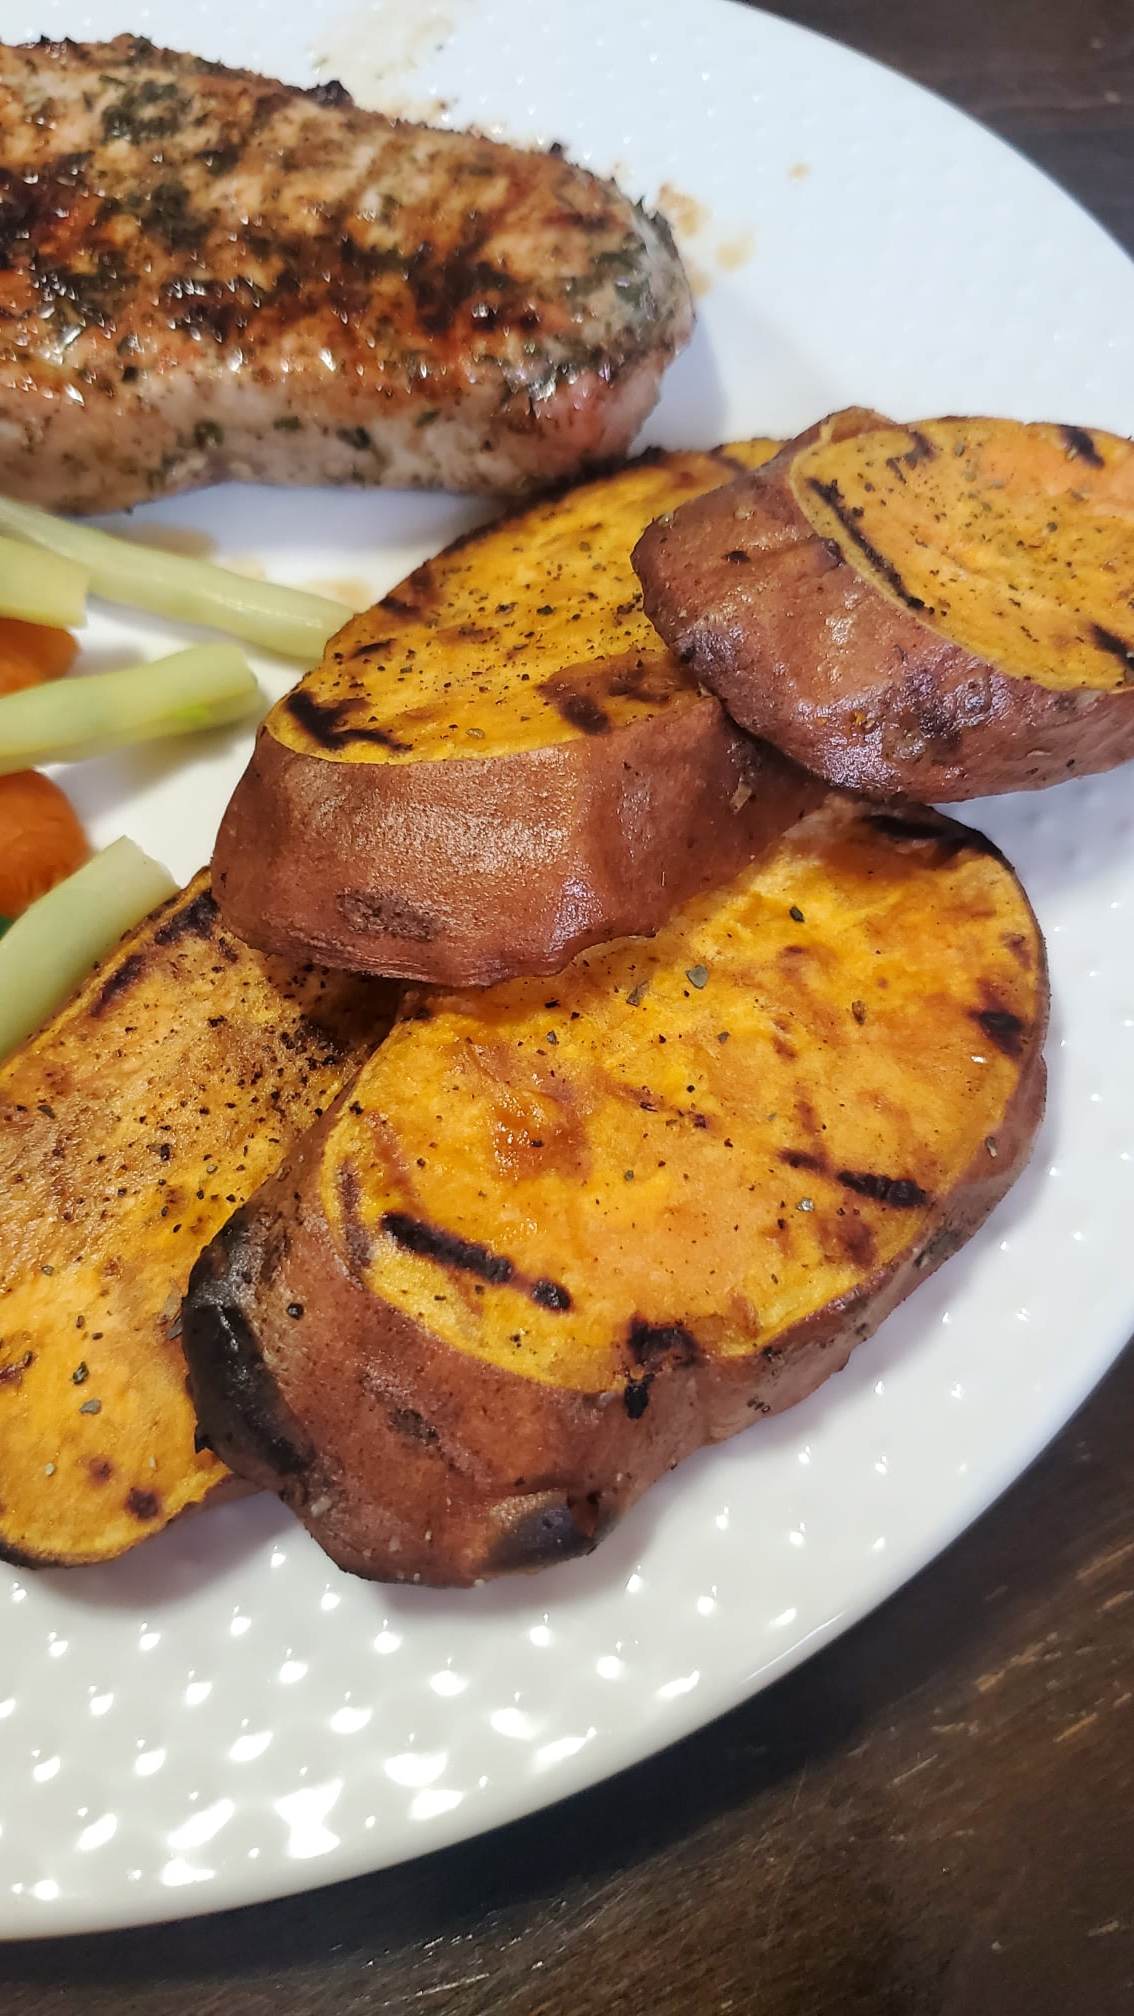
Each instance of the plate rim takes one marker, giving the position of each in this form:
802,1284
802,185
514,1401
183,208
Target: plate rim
520,1797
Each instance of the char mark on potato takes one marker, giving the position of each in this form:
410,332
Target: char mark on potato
553,1529
118,982
636,1395
858,1242
900,1193
949,840
1106,640
580,710
373,649
923,449
550,1294
1082,446
192,920
324,724
356,1238
414,1426
652,1344
1003,1028
230,1382
847,515
430,1242
469,1256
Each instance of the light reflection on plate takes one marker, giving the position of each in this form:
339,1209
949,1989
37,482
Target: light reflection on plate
220,1716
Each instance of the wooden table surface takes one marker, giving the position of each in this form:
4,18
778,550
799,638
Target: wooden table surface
934,1818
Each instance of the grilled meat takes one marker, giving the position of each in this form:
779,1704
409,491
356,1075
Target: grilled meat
207,274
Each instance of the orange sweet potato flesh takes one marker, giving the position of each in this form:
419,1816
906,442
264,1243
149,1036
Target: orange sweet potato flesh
500,763
938,611
130,1126
556,1236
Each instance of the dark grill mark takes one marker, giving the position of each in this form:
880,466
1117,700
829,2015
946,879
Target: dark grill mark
408,1422
237,1400
143,1504
101,1469
324,724
581,710
416,1236
898,828
649,681
145,112
636,1396
948,838
431,1243
12,1375
738,556
799,1158
549,1294
901,1193
547,1528
922,450
1003,1028
858,1242
355,1236
1082,445
442,287
369,650
650,1343
833,497
117,982
1105,640
192,920
219,160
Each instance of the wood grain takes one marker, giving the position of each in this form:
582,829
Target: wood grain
934,1817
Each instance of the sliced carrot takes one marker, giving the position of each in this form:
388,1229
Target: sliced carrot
30,653
41,839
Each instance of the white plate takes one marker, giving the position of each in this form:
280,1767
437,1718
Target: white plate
222,1716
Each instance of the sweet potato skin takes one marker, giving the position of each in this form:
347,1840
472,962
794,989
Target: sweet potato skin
497,765
471,871
418,1461
804,651
154,1101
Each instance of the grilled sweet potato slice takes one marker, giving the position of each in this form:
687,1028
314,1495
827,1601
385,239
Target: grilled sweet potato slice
149,1106
937,611
555,1236
497,765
